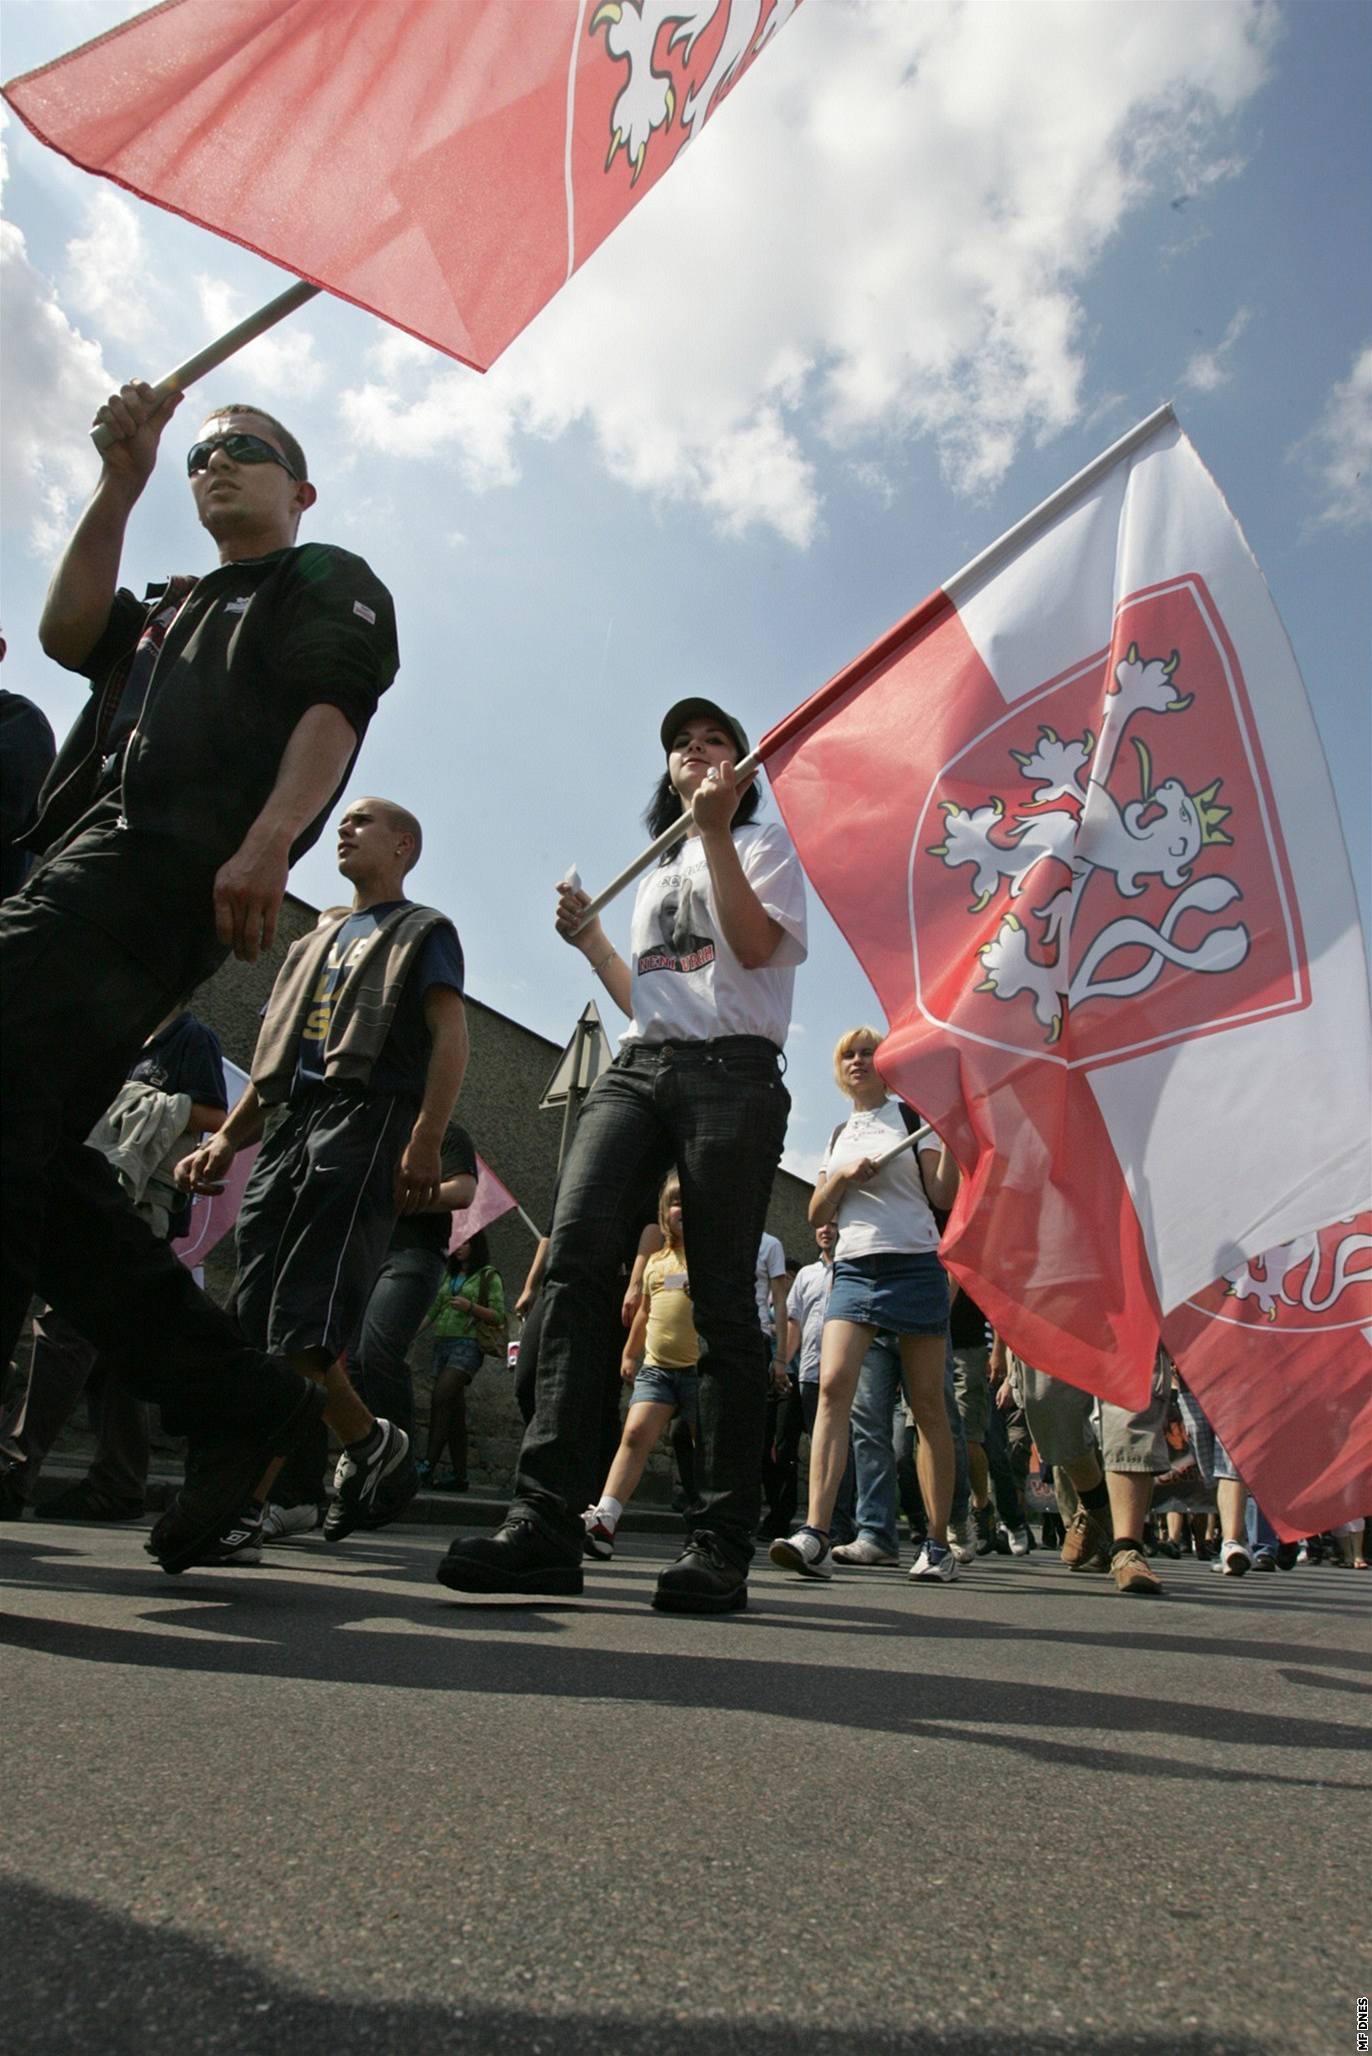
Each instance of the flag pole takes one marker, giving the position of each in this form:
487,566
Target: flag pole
672,833
226,346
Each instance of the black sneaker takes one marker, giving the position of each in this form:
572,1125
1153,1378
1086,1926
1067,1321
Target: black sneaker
984,1525
1288,1554
518,1558
240,1543
220,1477
86,1502
357,1481
394,1497
702,1580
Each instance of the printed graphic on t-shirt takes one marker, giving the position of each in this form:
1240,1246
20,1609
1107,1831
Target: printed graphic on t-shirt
346,948
683,947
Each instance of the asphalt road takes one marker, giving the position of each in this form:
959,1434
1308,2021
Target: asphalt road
326,1806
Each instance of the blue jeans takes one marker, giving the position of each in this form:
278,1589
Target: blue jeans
962,1483
717,1111
1262,1536
405,1288
879,1387
874,1405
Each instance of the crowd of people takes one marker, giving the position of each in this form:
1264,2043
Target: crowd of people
226,715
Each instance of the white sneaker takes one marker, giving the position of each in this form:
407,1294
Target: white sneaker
280,1521
600,1536
805,1552
866,1552
1234,1559
1019,1541
935,1564
962,1538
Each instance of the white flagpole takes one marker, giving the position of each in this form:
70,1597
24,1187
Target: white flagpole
228,345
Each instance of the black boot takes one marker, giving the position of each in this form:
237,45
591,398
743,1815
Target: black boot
518,1558
702,1580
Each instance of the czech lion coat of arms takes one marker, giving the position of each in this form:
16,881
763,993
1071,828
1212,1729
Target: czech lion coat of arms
1124,881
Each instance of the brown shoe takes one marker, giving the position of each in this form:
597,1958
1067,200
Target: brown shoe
1134,1574
1087,1544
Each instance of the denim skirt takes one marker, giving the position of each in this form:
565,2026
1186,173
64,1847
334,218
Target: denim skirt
904,1294
462,1350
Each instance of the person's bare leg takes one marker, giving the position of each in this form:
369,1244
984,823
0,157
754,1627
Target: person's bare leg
842,1348
643,1430
344,1412
1131,1493
978,1474
1232,1496
921,1363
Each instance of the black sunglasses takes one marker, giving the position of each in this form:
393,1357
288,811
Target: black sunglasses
244,449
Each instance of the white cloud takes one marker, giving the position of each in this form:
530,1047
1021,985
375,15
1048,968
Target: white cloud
1210,369
279,367
54,380
885,234
107,268
1339,448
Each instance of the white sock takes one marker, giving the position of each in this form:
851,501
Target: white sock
609,1510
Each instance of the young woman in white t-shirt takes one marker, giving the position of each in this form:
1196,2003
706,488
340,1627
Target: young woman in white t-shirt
887,1279
717,930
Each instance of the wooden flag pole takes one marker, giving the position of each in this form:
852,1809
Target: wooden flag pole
673,833
228,345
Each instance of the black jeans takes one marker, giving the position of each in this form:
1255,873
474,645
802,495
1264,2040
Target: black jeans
76,1008
717,1111
406,1287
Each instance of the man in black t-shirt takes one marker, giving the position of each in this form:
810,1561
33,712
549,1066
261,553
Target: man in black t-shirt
225,715
364,1045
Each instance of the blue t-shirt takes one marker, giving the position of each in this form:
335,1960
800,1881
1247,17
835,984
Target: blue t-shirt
403,1062
185,1057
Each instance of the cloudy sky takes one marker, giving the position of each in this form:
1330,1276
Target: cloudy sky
929,259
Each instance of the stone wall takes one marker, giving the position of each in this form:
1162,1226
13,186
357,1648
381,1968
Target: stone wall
509,1071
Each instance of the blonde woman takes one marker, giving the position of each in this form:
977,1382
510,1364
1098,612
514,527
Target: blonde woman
660,1362
888,1280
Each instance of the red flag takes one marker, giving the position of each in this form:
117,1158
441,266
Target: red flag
446,163
1073,817
1279,1354
492,1200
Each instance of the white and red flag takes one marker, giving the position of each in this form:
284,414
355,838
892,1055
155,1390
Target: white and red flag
446,163
1073,816
1279,1354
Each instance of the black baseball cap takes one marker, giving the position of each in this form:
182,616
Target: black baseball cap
685,709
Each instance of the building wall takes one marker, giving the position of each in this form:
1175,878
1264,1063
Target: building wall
509,1070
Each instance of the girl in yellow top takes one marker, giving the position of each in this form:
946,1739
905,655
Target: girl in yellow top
660,1360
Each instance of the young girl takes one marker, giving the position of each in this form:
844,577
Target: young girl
887,1277
660,1360
471,1297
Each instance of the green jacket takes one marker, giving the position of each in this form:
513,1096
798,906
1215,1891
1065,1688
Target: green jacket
484,1286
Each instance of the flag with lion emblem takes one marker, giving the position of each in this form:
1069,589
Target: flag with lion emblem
446,163
1073,816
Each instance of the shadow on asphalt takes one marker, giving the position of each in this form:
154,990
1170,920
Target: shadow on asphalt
330,1632
83,1978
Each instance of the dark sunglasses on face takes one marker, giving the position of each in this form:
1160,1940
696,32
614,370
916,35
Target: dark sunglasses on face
243,449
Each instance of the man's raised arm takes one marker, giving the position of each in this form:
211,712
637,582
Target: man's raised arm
83,586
